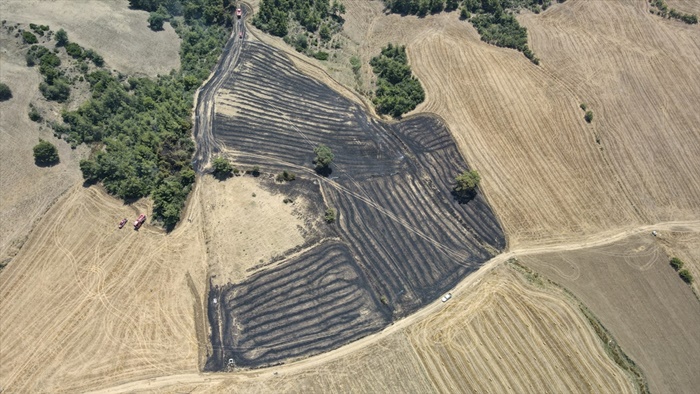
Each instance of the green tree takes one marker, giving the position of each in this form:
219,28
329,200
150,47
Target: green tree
465,185
61,38
155,21
589,116
686,276
329,215
45,153
5,92
222,168
29,37
323,158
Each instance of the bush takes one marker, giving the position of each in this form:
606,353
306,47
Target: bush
686,276
320,55
155,21
329,215
286,176
5,92
58,91
34,115
676,263
61,38
583,106
589,116
222,168
45,153
29,38
74,50
323,158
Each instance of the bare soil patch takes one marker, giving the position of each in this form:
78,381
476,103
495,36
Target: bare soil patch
119,34
636,295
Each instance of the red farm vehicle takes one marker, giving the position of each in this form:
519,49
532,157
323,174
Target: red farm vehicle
239,13
139,221
123,222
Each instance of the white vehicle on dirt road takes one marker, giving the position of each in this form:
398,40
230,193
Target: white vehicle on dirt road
446,297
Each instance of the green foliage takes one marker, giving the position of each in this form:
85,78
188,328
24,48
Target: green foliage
325,32
38,29
686,276
324,157
222,168
61,38
74,50
5,92
55,86
155,21
34,114
676,263
45,153
588,117
320,55
398,91
145,124
286,176
583,106
355,64
329,215
467,181
29,38
671,13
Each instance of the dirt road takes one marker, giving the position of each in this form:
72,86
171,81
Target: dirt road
430,311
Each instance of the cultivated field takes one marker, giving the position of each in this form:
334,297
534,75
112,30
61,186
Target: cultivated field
117,33
631,288
403,237
85,304
502,335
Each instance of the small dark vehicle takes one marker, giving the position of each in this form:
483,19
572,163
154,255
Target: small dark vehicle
123,222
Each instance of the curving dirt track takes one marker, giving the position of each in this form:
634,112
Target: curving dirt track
85,303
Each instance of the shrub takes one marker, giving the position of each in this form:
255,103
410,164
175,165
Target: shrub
355,64
45,153
59,90
5,92
583,106
676,263
465,186
320,55
222,168
686,276
329,215
323,158
34,115
286,176
29,38
61,38
589,116
74,50
155,21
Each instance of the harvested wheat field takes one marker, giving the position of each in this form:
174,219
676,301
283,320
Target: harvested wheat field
119,34
85,304
635,293
502,335
682,243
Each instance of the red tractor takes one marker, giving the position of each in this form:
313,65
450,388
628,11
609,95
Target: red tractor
139,221
239,13
123,222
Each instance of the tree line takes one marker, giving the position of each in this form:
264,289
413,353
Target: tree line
398,91
143,125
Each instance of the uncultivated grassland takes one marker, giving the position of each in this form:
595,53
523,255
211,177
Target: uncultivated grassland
119,34
638,296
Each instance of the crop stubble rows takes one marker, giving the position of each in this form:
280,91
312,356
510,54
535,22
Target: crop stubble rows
400,239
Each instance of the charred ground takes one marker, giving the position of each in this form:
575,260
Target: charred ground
400,238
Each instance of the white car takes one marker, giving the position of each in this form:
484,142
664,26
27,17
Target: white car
446,297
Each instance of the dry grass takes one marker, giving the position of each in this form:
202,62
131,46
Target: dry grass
683,244
634,292
119,34
85,304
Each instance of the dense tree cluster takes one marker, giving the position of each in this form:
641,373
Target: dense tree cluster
55,86
274,15
143,124
398,91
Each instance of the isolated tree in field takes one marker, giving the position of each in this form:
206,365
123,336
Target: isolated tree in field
686,276
5,92
676,263
465,185
61,38
45,153
589,116
222,168
323,159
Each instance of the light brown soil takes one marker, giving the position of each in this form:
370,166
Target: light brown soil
85,304
119,34
27,190
651,312
246,226
682,243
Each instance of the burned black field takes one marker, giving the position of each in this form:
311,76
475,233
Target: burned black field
400,239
